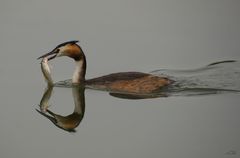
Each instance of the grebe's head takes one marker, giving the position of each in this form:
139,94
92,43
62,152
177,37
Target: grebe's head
70,49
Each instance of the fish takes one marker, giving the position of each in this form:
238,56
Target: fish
46,71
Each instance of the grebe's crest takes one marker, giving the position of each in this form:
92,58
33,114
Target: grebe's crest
68,42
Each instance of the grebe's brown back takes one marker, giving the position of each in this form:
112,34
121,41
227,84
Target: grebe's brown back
130,82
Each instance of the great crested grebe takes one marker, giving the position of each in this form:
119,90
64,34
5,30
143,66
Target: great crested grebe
129,82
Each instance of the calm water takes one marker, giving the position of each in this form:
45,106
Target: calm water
185,125
173,38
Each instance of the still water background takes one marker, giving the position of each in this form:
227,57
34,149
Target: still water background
118,36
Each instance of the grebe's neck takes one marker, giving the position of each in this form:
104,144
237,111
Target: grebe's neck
80,71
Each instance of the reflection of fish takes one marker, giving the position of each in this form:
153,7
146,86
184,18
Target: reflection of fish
44,101
46,71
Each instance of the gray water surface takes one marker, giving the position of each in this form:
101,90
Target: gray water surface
118,36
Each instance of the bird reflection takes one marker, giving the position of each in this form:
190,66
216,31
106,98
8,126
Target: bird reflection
45,98
69,122
137,96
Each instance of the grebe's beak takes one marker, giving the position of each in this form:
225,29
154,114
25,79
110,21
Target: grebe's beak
52,54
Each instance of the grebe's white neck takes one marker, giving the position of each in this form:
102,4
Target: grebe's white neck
79,72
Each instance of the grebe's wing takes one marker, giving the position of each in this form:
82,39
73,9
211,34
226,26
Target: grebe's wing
121,76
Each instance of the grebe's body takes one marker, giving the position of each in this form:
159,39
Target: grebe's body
129,82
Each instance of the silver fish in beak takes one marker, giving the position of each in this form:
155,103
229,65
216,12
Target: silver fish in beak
46,71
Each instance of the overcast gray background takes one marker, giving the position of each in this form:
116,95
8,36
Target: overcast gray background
118,35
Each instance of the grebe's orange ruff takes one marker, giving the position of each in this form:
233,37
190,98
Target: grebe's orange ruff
129,82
